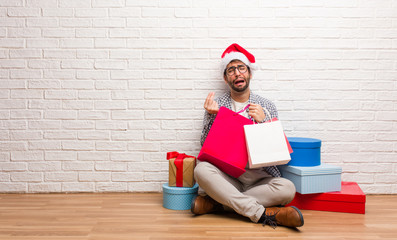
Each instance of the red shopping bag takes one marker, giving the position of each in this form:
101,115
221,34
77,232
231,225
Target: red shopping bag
225,145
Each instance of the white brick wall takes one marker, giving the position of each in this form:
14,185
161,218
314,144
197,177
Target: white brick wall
93,93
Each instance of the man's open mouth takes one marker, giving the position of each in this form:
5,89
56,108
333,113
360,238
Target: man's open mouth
239,82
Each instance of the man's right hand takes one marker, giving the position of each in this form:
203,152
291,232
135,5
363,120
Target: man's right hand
210,105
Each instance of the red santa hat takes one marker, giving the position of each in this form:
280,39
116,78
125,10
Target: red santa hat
236,52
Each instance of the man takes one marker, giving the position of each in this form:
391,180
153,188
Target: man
256,193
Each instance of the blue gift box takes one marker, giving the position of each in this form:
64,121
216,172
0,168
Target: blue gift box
178,198
318,179
306,153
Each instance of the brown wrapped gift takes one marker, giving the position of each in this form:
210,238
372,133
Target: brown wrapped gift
181,169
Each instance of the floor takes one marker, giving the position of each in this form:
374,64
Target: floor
141,216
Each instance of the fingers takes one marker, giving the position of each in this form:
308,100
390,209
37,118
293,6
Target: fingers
210,105
254,106
209,99
256,112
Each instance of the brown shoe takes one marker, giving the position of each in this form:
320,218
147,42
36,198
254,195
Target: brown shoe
204,205
285,216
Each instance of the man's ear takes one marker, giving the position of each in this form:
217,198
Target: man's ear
224,78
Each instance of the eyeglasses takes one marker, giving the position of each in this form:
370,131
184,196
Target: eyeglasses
231,70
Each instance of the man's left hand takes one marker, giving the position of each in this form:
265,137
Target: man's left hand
256,112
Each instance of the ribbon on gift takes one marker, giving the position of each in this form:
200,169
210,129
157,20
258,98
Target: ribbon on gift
179,157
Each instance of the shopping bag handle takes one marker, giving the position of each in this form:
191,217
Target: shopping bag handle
242,110
268,114
254,122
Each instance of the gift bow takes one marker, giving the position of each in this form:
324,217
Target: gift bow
179,157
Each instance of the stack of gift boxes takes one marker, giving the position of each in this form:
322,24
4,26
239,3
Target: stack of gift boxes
181,188
318,185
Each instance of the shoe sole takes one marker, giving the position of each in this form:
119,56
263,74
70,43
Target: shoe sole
300,215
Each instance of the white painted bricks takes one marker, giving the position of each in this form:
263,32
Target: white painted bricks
93,93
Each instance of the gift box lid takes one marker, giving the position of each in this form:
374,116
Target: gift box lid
316,170
350,192
179,190
299,142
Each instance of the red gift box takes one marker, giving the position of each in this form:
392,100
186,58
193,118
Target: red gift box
181,170
350,199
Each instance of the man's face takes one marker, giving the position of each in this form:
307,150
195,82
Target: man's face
236,80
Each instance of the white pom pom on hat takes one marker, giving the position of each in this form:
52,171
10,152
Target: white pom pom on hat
236,52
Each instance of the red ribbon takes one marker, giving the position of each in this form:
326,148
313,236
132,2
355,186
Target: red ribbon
179,157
